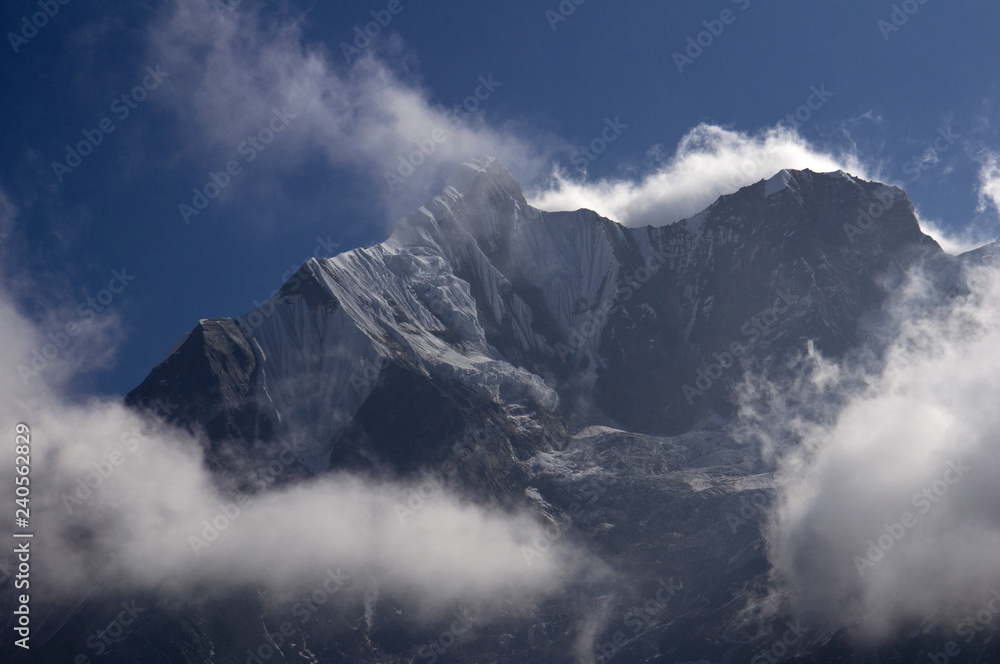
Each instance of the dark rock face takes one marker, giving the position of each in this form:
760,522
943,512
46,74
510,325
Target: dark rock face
574,366
753,277
207,388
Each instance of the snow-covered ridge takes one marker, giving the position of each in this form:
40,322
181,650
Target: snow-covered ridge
777,183
478,289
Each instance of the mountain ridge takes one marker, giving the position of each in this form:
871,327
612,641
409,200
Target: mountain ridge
481,290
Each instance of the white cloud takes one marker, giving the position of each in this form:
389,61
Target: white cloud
954,244
709,161
889,509
989,182
973,236
134,532
230,70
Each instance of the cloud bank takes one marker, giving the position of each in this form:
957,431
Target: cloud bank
889,508
139,512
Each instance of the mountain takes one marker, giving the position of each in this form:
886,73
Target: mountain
478,298
593,364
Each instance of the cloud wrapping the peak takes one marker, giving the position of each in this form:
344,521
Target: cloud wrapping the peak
709,161
954,243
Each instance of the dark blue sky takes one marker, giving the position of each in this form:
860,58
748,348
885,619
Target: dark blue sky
229,69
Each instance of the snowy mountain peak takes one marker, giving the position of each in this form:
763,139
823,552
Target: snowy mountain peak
479,177
567,313
778,182
788,178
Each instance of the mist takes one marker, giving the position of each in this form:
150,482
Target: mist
889,508
121,502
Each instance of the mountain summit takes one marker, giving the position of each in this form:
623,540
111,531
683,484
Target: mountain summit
569,314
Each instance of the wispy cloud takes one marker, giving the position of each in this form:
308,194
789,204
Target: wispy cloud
709,161
989,182
955,243
232,69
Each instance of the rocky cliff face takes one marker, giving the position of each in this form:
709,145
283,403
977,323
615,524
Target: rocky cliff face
565,313
593,365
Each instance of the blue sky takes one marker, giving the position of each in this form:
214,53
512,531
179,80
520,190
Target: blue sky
905,92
